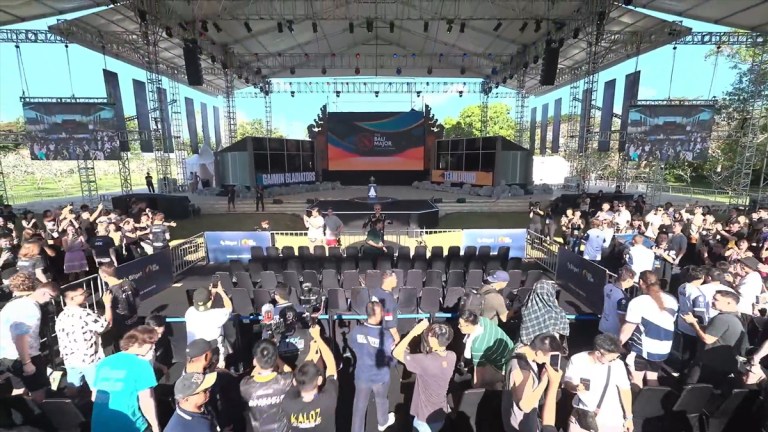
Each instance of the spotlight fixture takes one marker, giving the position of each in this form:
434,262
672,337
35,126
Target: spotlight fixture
213,59
426,26
314,27
168,31
418,94
450,26
204,26
279,26
429,70
391,26
351,27
399,71
537,26
292,70
323,70
462,26
369,25
461,93
627,2
357,70
293,93
183,26
496,27
576,32
523,26
338,93
248,28
463,70
289,24
376,93
217,27
536,59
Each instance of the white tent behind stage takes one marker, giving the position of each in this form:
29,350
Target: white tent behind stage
202,164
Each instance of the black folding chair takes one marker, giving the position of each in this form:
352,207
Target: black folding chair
268,281
420,252
651,406
244,281
257,252
373,279
736,410
453,296
260,298
430,300
693,399
415,279
337,300
64,415
310,277
532,277
474,279
455,279
384,262
359,299
291,278
294,264
434,278
330,279
236,266
288,251
319,251
241,302
304,251
407,303
350,279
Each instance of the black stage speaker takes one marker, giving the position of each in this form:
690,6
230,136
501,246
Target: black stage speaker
175,207
192,63
549,64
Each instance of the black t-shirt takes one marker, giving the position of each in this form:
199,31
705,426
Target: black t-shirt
148,179
9,217
164,351
101,245
264,395
293,347
319,414
13,260
225,402
231,194
158,235
125,302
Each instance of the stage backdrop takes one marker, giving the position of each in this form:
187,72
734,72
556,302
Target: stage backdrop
72,131
514,238
224,246
669,132
376,141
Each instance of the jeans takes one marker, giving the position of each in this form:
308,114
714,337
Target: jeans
362,394
421,426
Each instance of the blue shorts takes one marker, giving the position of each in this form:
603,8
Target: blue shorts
79,375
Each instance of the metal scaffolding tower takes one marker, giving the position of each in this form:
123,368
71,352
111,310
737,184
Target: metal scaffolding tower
124,171
267,91
230,114
151,32
521,108
86,169
572,129
484,114
180,149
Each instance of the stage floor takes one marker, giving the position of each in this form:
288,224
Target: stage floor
387,207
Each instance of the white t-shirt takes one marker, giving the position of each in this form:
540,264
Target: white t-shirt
652,338
640,258
593,245
615,303
315,228
750,287
654,222
581,366
19,317
206,325
622,218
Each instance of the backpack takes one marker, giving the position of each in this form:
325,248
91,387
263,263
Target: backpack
474,300
157,235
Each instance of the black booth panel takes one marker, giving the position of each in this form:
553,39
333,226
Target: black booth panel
175,207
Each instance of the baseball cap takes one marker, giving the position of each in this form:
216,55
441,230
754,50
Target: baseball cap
497,276
199,347
193,383
201,299
750,262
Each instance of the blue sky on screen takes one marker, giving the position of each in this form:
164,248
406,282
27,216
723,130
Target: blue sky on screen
46,74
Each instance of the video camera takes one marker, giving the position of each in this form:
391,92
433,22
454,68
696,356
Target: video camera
273,325
534,205
310,297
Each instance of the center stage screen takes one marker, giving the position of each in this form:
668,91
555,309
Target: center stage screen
376,141
669,132
71,131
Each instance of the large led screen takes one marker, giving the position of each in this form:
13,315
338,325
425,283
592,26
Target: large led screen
376,141
71,131
669,132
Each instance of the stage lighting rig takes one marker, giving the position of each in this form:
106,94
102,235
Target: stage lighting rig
461,93
418,93
369,25
495,28
293,93
289,24
314,26
523,26
462,26
204,26
391,26
426,26
249,29
537,26
217,27
351,27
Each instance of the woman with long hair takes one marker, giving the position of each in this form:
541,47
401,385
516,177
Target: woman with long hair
74,245
28,221
541,313
30,260
649,328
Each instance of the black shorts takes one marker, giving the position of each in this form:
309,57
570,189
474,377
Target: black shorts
37,381
642,364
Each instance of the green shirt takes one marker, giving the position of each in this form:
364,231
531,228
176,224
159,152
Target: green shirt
492,347
374,236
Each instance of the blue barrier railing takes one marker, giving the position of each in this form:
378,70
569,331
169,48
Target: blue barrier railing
572,317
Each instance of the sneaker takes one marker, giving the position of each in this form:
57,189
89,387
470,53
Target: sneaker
390,422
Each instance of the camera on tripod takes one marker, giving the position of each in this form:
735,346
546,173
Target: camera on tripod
310,297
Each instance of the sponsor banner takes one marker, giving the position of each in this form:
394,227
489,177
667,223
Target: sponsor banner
278,179
151,274
478,178
582,279
514,238
224,246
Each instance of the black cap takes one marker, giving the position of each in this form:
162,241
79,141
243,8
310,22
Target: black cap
199,347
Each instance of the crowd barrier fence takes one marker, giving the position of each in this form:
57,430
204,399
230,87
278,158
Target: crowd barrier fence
188,253
350,237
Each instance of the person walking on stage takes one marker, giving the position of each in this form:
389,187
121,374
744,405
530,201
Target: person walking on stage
260,197
231,193
150,183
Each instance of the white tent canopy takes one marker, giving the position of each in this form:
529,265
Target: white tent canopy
202,164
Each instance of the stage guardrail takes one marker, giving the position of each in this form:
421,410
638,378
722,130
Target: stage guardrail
542,250
188,253
350,237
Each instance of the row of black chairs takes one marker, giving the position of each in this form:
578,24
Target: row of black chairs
353,257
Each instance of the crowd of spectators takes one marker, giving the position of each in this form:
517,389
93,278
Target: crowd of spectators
671,316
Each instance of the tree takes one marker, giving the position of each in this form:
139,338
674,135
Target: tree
254,128
468,123
14,126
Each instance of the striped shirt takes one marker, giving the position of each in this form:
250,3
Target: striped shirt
652,338
490,346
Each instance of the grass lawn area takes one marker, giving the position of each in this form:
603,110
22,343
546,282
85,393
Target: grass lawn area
289,222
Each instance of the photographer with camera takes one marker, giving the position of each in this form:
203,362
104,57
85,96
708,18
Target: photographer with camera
535,213
205,322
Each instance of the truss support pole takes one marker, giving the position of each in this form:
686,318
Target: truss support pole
86,169
521,108
484,113
179,147
3,190
268,112
230,114
124,171
572,129
655,184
